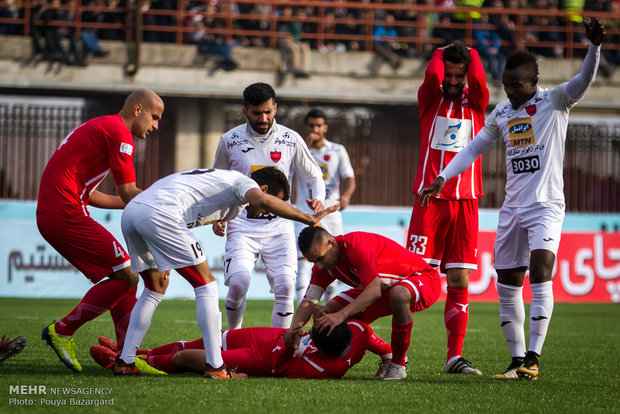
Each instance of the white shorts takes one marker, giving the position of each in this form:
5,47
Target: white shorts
523,229
332,223
155,241
277,252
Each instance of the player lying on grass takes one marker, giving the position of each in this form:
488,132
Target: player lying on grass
386,279
260,352
156,225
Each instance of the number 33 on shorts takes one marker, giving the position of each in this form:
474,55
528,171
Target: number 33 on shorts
417,244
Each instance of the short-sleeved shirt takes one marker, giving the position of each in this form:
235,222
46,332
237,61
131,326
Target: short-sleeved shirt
82,161
365,256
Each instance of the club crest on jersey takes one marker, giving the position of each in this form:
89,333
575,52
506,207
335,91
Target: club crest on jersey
275,156
127,148
521,132
531,110
326,157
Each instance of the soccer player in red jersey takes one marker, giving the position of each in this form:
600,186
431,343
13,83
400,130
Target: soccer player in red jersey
452,99
387,279
260,352
68,185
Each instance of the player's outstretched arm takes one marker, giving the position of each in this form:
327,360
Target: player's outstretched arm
594,30
280,208
301,317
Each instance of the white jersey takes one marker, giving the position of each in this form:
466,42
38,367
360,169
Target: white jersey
335,165
284,149
198,197
534,135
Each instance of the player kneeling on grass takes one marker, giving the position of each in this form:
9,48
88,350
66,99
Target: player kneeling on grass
387,279
156,227
260,352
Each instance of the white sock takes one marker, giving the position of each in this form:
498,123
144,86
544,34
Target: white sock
540,314
238,285
283,306
139,323
512,317
210,322
304,269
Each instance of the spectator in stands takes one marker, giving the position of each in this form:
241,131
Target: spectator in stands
551,32
350,28
11,9
505,27
294,51
89,36
446,32
385,43
76,49
260,24
488,46
114,15
213,47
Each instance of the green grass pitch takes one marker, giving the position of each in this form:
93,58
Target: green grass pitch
579,368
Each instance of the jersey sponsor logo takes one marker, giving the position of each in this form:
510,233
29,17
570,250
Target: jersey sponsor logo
275,156
324,171
451,134
284,141
126,148
520,132
234,142
258,167
525,165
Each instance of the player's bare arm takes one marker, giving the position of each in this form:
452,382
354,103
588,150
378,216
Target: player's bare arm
371,293
276,206
128,191
432,190
302,316
594,30
102,200
348,187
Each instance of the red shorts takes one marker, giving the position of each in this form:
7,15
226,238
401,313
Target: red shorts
424,286
249,350
86,244
445,233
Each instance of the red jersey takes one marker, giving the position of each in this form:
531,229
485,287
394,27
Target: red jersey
308,362
365,256
82,160
447,126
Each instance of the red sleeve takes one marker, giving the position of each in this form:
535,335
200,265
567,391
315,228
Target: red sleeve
477,83
363,256
120,153
321,278
432,78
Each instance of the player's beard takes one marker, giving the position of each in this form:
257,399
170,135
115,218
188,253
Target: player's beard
262,129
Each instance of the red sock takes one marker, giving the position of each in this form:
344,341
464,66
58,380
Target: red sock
120,313
401,337
162,363
378,346
175,347
456,315
97,300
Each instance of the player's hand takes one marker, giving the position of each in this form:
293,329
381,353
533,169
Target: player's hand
329,320
344,202
318,311
315,205
317,217
219,228
427,192
594,30
292,336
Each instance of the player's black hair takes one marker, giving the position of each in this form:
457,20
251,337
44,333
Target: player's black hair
315,113
334,344
522,57
457,53
274,179
258,93
308,236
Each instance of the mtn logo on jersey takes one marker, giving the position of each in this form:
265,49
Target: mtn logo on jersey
126,148
521,132
275,156
451,134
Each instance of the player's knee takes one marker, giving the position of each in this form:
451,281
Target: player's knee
400,297
126,276
238,285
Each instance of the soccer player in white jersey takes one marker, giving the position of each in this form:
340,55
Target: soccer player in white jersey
156,225
532,123
335,165
263,142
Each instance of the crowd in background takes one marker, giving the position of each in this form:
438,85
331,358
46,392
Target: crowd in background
494,34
